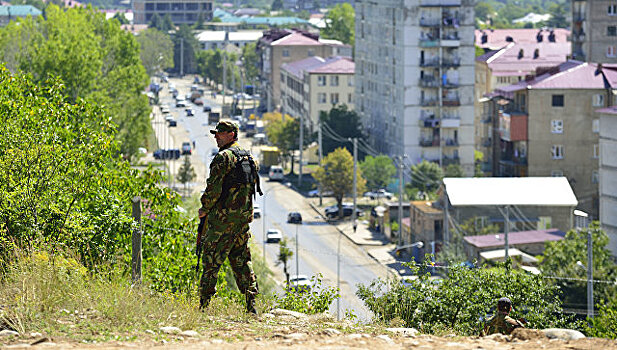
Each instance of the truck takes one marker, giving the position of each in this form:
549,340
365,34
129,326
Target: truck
268,156
213,117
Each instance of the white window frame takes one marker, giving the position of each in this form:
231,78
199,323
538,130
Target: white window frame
596,151
598,100
595,126
334,80
322,97
612,10
557,126
611,51
557,152
556,173
321,80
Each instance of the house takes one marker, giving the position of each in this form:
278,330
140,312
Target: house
496,39
531,242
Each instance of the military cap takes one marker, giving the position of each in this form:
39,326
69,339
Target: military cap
504,304
225,126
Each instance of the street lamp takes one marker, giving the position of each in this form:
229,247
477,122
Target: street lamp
581,219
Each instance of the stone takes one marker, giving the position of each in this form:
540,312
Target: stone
354,336
217,341
498,337
322,317
189,333
385,338
267,316
295,336
331,331
283,312
151,332
408,332
563,334
8,333
170,330
35,335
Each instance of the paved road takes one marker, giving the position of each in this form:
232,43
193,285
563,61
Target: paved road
317,240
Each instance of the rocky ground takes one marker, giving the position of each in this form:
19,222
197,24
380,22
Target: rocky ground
282,329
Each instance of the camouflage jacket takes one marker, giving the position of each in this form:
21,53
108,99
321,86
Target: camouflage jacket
501,323
237,209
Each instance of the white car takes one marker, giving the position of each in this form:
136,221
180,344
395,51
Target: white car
378,194
169,117
276,173
165,109
256,211
299,282
181,103
273,236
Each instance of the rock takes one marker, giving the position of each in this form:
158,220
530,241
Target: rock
35,335
8,333
149,331
190,333
358,336
295,336
170,330
331,331
563,334
322,317
267,316
283,312
408,332
527,334
498,337
385,338
217,341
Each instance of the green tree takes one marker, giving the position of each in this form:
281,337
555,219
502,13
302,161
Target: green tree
483,10
454,170
345,123
478,158
283,258
603,324
378,171
340,23
119,16
277,5
185,40
285,135
250,62
186,173
560,260
558,16
454,251
426,176
156,51
336,174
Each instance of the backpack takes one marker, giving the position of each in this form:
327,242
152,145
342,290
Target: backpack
244,172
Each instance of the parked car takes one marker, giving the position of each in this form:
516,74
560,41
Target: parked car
273,236
332,212
378,194
294,218
315,193
276,173
189,112
173,153
169,117
300,283
186,148
165,109
198,102
181,103
172,123
207,108
256,211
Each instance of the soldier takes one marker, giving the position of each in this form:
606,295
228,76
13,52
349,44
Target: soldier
501,322
227,205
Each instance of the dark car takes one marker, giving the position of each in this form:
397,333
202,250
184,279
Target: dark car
186,148
189,112
332,212
294,218
173,123
207,108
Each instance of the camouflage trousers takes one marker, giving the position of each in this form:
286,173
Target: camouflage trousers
232,244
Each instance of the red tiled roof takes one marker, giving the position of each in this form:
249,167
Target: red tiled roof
583,76
297,68
336,65
508,62
296,39
514,238
497,37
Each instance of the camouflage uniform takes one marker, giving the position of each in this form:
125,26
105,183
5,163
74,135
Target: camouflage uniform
227,229
501,323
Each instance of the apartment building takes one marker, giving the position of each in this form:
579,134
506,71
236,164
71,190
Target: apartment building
215,39
279,46
496,39
503,67
314,85
547,126
608,172
180,11
594,31
414,78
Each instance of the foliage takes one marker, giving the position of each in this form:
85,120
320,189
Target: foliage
250,62
560,259
454,251
314,301
454,170
185,42
463,299
186,173
500,13
346,123
340,24
336,174
558,16
39,4
426,176
95,59
285,134
164,24
119,16
156,51
378,171
604,323
484,10
283,258
276,5
478,157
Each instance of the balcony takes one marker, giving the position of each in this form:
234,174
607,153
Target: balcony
432,62
429,142
487,119
450,40
447,160
424,42
451,21
578,36
451,62
451,101
428,102
487,142
429,82
454,122
450,84
578,17
430,122
451,142
439,3
431,23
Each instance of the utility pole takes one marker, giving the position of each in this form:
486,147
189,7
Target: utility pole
506,231
301,146
320,160
355,182
589,274
400,201
224,72
181,56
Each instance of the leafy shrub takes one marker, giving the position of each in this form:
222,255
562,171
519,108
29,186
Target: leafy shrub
463,300
314,301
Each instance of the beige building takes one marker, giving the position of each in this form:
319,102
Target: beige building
594,30
547,126
314,85
280,46
180,11
608,173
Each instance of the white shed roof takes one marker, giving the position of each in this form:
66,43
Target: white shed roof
219,35
546,191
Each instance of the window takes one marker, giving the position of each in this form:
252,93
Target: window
557,126
595,125
285,53
334,98
596,151
334,80
321,97
557,101
610,51
311,53
611,31
350,81
556,173
612,10
557,152
349,98
321,80
598,100
595,177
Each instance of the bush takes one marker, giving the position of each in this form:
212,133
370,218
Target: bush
463,300
315,301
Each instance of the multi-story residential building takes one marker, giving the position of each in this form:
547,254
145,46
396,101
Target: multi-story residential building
608,173
280,46
180,11
414,78
495,39
215,39
547,126
594,31
314,85
504,67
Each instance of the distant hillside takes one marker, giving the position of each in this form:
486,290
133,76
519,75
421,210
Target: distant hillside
501,13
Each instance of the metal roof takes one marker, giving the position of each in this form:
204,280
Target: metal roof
19,10
514,238
481,191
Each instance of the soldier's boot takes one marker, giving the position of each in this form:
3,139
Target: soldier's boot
250,304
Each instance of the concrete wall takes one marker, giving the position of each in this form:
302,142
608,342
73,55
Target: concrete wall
608,178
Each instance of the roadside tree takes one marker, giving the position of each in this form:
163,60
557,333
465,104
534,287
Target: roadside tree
285,134
185,40
186,173
157,51
336,174
341,24
344,122
426,176
378,171
285,253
